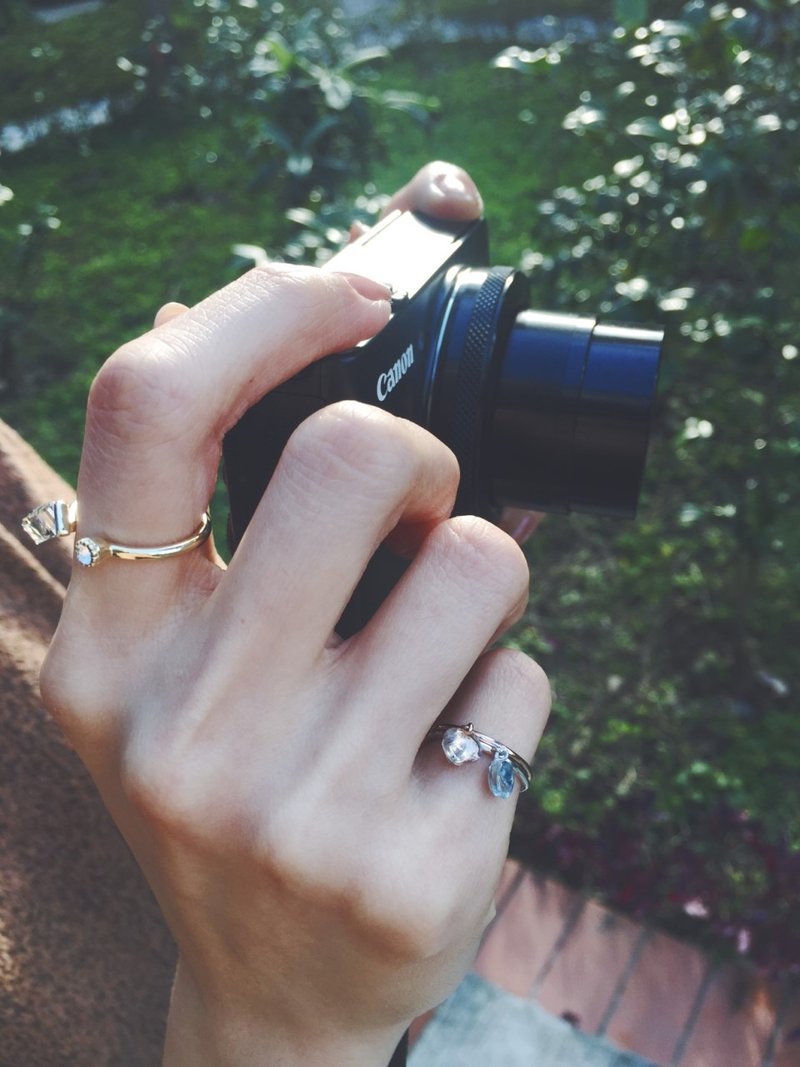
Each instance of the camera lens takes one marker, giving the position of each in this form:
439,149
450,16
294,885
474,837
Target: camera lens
572,413
544,411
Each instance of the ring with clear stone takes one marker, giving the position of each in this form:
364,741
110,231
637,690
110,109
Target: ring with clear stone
89,551
464,744
59,519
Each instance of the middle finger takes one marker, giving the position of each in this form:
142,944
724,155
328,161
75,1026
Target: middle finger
348,476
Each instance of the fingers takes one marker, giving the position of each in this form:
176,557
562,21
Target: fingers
507,697
440,189
347,477
468,582
159,407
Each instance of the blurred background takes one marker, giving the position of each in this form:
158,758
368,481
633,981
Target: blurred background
641,161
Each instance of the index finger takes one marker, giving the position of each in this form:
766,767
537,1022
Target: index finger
160,406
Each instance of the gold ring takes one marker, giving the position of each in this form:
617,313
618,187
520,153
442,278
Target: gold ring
89,551
56,518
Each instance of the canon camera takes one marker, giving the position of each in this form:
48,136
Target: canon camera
543,410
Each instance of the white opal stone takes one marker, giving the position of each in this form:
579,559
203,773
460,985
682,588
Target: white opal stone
459,747
86,552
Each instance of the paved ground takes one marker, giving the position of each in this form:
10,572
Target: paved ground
644,991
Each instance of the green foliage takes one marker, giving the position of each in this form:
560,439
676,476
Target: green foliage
20,251
688,621
63,64
291,82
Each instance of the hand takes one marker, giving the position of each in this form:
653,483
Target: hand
326,874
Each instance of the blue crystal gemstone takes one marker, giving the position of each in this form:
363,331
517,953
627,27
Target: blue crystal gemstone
501,775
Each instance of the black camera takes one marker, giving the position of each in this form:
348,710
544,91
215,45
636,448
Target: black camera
544,411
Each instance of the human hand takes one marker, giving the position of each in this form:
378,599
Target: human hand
325,873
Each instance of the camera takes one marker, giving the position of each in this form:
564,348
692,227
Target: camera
543,410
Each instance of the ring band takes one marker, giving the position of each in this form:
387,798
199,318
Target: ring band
89,551
56,518
464,744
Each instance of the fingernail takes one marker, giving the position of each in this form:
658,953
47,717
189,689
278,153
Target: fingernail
367,287
456,185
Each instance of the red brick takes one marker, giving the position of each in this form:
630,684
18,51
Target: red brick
523,936
787,1045
658,999
734,1022
585,973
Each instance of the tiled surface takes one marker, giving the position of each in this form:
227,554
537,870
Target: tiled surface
647,992
787,1038
524,934
601,945
657,1001
734,1023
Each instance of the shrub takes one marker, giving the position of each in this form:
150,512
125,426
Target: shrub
690,617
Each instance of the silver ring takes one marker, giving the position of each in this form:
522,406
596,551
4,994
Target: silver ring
464,744
59,519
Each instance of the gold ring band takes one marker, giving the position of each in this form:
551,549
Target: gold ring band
56,518
89,551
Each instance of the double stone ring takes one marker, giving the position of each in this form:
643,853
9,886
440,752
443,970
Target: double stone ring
464,744
59,519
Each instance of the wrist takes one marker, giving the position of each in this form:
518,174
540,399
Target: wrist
220,1034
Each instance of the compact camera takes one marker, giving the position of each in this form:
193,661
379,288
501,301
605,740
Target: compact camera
544,411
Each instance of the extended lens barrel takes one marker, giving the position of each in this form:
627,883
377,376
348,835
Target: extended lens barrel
572,413
544,411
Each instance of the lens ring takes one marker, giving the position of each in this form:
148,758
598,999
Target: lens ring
469,395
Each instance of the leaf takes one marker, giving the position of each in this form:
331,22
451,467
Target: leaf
367,55
337,91
300,164
414,105
280,50
255,253
303,216
521,60
644,127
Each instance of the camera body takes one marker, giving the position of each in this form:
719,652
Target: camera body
544,411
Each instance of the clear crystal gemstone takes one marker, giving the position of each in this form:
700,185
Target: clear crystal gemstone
87,552
501,775
459,747
44,522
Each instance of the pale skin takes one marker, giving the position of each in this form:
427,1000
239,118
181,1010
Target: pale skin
327,875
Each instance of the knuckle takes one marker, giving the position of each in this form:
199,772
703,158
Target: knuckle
140,391
513,669
483,555
72,696
353,444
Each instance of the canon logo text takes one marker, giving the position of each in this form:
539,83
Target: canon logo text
388,381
